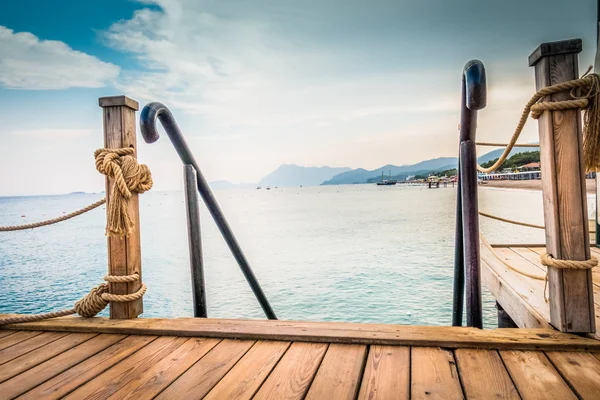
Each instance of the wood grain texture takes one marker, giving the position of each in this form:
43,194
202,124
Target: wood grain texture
581,370
124,252
152,381
434,374
521,297
483,375
41,354
326,332
387,374
243,380
67,381
565,204
294,372
535,377
340,373
33,377
18,337
109,382
197,381
5,333
28,345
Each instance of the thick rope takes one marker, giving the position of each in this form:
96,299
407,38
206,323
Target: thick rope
508,265
128,177
512,221
584,94
546,260
505,144
90,305
550,261
54,220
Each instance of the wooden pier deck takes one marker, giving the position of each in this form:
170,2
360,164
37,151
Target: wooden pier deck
523,297
190,358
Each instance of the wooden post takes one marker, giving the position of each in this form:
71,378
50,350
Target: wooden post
564,193
124,253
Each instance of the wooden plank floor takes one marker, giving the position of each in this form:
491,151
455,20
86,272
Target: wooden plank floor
523,297
96,358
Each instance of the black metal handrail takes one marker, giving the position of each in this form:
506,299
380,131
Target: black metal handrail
148,117
466,251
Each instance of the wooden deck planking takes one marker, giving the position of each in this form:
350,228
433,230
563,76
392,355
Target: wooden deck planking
142,367
294,373
340,373
28,345
434,374
109,382
154,380
197,381
581,370
245,378
535,377
484,375
41,354
17,337
72,378
523,297
387,374
37,375
326,332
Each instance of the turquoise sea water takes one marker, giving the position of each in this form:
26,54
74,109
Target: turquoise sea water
338,253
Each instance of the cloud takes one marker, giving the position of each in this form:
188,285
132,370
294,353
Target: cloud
27,62
54,133
260,83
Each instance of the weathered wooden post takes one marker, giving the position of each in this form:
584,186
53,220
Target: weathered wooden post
564,192
124,252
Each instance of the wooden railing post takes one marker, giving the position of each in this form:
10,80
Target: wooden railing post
564,192
124,253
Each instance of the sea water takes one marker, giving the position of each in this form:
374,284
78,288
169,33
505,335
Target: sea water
360,253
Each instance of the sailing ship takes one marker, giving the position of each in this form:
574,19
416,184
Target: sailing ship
387,182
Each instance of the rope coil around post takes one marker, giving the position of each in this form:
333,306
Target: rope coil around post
546,260
128,177
585,95
90,305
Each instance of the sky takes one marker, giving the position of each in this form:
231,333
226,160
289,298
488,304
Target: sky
259,83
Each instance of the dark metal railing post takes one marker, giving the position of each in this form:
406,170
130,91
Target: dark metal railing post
148,117
459,260
474,97
195,241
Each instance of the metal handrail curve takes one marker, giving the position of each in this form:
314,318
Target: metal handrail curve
466,251
148,117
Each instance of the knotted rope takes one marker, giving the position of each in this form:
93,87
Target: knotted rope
584,94
53,220
128,177
547,260
90,305
504,144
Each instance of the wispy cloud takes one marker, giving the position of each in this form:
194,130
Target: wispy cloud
54,133
26,62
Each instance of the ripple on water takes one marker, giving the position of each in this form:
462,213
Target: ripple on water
346,253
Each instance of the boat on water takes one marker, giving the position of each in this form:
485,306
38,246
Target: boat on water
386,182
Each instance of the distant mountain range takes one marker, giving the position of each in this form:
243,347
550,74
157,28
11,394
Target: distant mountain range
361,175
296,175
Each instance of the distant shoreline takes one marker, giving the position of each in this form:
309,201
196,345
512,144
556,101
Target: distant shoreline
534,184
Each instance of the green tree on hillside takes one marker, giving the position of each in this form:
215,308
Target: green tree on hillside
516,160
